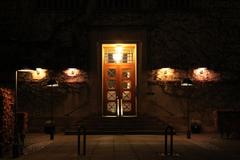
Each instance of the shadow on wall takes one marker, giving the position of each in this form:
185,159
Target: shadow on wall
42,103
228,123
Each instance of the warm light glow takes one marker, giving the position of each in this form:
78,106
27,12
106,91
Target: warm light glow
186,82
166,74
25,70
53,85
201,71
204,74
118,55
72,72
119,49
39,74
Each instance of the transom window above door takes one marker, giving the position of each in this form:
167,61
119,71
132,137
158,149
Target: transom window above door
119,53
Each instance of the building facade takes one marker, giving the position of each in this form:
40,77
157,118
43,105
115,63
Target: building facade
131,58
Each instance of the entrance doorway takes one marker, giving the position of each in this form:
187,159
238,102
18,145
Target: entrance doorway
119,80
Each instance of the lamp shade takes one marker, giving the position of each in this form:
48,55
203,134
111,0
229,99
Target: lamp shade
187,82
52,83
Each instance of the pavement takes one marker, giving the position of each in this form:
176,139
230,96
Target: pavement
130,147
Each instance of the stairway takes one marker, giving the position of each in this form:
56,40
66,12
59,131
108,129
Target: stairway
123,125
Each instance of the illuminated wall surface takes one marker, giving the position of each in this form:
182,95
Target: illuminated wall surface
201,74
33,90
70,75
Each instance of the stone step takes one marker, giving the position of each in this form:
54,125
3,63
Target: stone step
94,132
119,125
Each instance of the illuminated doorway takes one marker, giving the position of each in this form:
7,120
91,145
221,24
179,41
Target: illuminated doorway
119,80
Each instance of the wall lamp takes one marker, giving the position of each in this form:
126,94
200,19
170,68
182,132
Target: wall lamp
186,82
52,83
72,72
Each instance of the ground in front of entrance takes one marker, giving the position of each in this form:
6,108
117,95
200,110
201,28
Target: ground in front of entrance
130,147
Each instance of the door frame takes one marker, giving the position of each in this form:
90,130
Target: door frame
136,68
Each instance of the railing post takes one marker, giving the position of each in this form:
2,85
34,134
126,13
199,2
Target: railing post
168,130
1,150
166,152
84,141
171,141
78,140
83,131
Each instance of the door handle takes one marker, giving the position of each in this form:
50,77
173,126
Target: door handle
118,106
121,107
136,91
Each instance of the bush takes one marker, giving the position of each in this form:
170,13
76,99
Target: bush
6,120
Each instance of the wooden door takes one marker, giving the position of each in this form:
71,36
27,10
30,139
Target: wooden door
119,82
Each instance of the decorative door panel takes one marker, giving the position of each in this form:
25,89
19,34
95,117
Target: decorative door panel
110,91
119,80
127,90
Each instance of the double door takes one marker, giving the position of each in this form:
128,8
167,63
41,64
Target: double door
119,88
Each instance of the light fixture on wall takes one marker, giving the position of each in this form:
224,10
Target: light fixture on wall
72,72
166,74
52,83
201,70
118,55
203,74
36,74
39,73
25,70
186,82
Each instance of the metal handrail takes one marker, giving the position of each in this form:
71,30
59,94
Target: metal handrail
169,131
82,130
